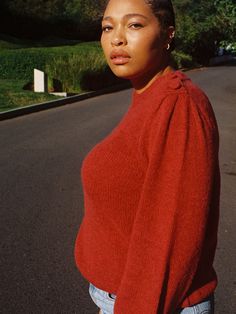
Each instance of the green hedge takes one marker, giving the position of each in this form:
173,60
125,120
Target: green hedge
19,63
181,60
81,72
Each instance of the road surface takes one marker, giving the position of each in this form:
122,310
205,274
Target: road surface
41,198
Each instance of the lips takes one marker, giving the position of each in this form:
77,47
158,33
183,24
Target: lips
119,57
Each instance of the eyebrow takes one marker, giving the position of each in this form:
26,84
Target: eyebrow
127,16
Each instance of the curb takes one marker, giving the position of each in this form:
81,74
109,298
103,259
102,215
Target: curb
60,102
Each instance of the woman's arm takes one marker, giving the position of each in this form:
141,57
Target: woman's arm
170,224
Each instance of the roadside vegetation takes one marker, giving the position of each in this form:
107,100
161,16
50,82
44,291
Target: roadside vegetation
78,68
75,63
18,63
13,96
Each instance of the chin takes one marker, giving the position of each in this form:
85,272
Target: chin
123,73
121,76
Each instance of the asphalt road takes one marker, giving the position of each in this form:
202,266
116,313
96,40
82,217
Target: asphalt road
41,198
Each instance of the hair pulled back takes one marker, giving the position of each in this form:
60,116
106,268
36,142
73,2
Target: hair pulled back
164,12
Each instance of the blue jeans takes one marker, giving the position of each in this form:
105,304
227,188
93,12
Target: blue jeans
105,301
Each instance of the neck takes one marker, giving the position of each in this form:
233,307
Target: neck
140,84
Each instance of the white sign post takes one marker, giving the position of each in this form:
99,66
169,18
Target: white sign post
40,81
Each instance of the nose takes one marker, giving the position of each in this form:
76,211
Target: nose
118,39
117,42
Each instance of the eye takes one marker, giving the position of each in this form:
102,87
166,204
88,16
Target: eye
106,28
135,26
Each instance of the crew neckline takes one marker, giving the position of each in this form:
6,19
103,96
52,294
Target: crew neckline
158,80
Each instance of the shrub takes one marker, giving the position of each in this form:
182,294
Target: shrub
19,63
69,69
84,71
181,60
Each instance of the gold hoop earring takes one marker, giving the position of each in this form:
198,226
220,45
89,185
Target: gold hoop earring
168,47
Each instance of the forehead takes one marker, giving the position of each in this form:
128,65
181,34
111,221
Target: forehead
126,7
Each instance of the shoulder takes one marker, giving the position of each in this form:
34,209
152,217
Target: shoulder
178,110
179,86
178,105
174,96
178,95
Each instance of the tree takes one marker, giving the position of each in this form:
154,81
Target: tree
86,16
81,17
48,10
226,18
202,24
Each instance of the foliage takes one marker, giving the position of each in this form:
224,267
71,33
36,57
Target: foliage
202,24
181,60
226,18
73,18
21,62
38,9
228,46
84,11
86,16
79,68
72,70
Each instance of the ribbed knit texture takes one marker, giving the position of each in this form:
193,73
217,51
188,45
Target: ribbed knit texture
151,195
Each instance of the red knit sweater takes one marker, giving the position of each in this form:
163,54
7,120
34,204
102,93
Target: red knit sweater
151,192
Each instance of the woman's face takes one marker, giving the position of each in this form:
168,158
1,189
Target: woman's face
132,40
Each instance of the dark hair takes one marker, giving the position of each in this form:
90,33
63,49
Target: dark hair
164,12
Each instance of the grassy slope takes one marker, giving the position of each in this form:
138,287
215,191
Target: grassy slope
10,42
12,94
50,44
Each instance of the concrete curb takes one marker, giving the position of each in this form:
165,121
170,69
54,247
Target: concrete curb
60,102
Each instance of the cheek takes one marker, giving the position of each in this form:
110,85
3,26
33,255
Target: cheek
154,42
146,45
147,56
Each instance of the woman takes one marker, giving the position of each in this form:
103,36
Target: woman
151,188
